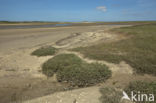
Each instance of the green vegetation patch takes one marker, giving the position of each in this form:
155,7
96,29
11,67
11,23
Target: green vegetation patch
60,62
84,74
110,95
142,88
45,51
70,68
139,50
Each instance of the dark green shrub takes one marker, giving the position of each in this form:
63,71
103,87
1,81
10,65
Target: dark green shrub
59,62
84,74
70,68
44,51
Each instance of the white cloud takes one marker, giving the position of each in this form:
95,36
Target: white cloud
102,8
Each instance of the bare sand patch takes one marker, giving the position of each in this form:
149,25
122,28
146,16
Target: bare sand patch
84,95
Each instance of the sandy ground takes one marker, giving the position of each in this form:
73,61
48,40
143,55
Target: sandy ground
13,39
20,73
76,96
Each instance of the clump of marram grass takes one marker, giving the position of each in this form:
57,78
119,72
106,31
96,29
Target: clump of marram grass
44,51
70,68
110,95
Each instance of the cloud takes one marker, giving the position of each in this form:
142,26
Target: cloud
102,8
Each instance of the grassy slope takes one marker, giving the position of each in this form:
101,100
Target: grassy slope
139,51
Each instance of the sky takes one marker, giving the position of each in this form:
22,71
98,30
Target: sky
77,10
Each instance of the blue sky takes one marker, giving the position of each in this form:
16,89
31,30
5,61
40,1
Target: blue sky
77,10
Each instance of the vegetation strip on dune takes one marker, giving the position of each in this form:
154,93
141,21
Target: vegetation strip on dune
138,50
70,68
